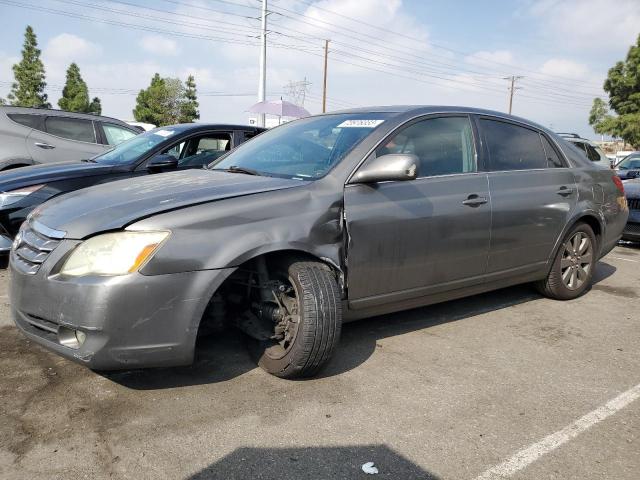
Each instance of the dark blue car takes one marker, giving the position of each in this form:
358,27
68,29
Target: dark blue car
176,147
629,167
632,230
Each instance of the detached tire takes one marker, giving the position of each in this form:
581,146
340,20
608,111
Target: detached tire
320,322
572,270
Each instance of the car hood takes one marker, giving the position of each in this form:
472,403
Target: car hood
37,174
116,204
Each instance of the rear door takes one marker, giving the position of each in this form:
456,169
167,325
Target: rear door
533,193
411,238
64,139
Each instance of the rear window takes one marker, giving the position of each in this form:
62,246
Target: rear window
31,121
115,134
512,147
71,129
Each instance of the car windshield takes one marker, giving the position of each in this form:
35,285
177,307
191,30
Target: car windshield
305,149
632,162
134,148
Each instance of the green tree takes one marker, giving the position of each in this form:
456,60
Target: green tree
75,95
161,103
29,74
623,86
598,114
190,104
95,106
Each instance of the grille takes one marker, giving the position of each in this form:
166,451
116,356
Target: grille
632,229
634,203
33,245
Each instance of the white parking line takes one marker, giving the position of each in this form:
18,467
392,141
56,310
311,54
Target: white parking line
528,455
625,259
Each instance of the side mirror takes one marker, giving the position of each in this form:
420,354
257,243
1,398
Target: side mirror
391,167
161,162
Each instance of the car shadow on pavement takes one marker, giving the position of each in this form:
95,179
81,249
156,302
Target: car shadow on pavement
312,462
224,356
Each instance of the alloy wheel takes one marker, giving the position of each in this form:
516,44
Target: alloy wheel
577,259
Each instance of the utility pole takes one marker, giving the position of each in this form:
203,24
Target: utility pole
262,86
513,79
324,83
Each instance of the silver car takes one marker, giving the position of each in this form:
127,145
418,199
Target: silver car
30,136
314,223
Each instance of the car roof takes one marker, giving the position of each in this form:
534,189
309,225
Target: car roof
428,109
59,113
181,127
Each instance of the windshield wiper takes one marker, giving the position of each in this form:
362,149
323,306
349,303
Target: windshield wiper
236,169
88,160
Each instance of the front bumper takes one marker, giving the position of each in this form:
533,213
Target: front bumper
130,321
631,232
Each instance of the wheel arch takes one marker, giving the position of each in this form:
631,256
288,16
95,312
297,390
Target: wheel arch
590,217
271,254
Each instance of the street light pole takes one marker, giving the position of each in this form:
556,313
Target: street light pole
262,86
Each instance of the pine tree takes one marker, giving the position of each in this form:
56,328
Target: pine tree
161,102
95,106
29,74
189,111
75,94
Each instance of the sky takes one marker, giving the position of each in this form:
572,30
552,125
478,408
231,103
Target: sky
381,52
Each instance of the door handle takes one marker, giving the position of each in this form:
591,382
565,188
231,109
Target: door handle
565,191
475,201
46,146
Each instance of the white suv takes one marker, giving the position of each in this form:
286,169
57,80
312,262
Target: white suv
591,150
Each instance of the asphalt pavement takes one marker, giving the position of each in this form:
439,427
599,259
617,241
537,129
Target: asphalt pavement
501,385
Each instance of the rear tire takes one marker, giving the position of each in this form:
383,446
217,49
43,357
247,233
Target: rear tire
572,270
320,322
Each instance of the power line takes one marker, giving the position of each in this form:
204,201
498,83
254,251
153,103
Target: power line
414,39
249,42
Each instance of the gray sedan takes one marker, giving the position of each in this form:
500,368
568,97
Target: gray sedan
323,220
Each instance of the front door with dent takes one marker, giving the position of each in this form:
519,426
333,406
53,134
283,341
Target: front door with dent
412,238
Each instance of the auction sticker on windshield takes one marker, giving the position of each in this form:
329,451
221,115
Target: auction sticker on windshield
164,133
360,123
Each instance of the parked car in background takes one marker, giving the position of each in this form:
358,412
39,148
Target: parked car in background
629,167
141,126
30,136
322,220
593,151
177,147
632,230
622,154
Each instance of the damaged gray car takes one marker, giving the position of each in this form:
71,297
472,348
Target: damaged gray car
320,221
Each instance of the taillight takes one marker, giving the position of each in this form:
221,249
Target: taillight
619,184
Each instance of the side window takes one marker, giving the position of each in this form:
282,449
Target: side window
512,147
444,146
592,153
553,160
204,150
175,150
115,134
31,121
249,135
71,128
580,146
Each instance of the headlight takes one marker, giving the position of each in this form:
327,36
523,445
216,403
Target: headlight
113,253
7,198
